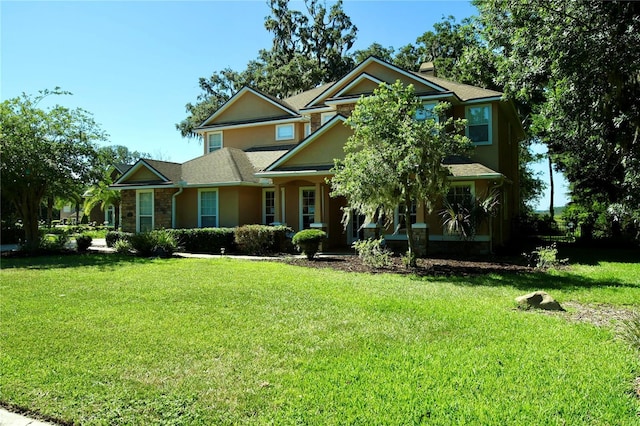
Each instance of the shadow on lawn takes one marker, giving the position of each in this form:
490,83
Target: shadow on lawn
536,281
70,260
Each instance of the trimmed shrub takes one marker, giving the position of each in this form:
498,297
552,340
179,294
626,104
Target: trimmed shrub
263,239
205,240
308,241
113,237
122,246
254,239
373,253
83,242
159,242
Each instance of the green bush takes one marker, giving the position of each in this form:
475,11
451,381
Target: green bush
263,239
205,240
112,237
122,246
545,257
83,242
159,242
373,253
308,241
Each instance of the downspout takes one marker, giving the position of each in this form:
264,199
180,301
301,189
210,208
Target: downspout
497,186
181,185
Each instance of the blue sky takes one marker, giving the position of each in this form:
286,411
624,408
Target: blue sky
135,64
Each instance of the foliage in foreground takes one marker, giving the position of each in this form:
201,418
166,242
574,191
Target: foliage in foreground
308,241
190,341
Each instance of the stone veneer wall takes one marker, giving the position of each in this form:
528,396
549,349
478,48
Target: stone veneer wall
162,208
128,210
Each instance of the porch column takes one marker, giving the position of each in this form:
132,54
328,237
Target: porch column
421,230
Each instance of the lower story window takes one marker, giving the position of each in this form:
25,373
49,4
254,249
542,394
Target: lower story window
145,211
307,207
269,206
400,220
460,195
208,208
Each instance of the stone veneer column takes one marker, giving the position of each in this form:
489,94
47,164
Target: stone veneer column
162,207
421,238
128,210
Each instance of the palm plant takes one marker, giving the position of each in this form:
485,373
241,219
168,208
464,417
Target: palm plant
464,218
101,195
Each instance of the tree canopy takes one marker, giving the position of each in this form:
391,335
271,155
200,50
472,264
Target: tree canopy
577,65
44,153
309,48
393,158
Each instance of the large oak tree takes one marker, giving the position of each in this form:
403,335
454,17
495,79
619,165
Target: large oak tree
44,153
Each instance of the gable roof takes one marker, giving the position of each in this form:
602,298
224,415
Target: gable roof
287,110
226,166
359,69
337,119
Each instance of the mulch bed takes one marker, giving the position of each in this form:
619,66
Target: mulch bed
438,266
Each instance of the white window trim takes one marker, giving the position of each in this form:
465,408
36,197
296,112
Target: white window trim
472,184
200,191
490,127
397,216
221,140
304,188
293,132
153,208
264,204
326,116
307,129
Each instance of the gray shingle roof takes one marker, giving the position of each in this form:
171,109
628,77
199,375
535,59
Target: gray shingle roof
463,91
460,166
301,100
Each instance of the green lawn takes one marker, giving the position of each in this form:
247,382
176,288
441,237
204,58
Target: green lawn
103,339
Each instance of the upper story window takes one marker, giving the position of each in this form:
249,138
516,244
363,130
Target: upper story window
307,129
214,141
284,132
479,124
426,112
326,116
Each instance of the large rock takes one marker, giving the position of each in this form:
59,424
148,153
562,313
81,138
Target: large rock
539,300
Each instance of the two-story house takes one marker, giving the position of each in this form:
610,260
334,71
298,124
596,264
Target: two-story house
268,160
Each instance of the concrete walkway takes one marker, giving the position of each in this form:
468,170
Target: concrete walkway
11,419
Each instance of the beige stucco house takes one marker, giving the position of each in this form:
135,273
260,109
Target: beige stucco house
267,160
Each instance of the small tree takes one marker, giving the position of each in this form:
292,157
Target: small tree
44,152
394,158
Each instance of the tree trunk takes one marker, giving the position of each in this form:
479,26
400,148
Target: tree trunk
29,208
410,240
551,188
49,210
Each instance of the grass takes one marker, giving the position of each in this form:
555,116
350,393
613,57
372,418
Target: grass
103,339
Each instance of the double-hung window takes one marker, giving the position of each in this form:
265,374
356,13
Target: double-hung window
400,218
284,132
460,195
307,207
144,201
479,124
214,141
208,208
269,206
